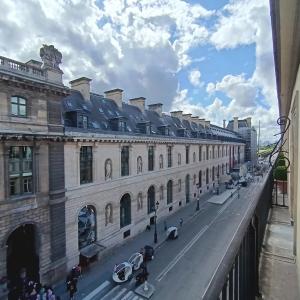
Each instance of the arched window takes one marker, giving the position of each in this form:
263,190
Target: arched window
200,178
218,172
169,192
207,176
18,106
187,188
86,226
125,210
213,173
222,169
151,199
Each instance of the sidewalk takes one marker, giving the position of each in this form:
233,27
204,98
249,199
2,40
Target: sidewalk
102,269
278,275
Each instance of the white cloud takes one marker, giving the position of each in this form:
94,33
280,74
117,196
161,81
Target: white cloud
194,78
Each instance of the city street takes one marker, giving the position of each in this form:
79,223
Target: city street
182,268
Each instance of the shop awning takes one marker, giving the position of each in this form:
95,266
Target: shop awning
91,250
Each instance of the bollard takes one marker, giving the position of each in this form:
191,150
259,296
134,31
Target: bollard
146,288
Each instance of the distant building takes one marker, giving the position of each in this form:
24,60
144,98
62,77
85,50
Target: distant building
249,134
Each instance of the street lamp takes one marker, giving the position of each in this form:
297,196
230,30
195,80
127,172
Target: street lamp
155,230
198,197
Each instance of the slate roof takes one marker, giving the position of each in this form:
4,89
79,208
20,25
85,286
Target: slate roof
101,111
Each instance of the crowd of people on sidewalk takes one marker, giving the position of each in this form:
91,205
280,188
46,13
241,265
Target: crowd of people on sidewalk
23,288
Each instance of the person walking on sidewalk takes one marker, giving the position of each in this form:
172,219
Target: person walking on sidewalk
180,222
72,289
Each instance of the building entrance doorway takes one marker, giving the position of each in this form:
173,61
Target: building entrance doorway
22,253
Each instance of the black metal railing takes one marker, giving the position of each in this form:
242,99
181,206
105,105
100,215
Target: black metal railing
238,274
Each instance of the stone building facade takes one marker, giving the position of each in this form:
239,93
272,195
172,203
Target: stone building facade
92,167
32,199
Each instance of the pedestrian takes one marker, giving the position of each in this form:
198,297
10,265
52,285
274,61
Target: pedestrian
180,222
72,289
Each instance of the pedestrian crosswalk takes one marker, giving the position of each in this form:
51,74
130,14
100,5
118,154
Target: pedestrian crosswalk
108,290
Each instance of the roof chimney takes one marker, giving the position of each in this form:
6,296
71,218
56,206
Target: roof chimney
115,95
157,107
177,114
235,124
187,117
207,124
202,122
82,85
224,123
249,121
138,102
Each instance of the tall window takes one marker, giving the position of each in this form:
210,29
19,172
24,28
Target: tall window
213,173
169,156
200,178
207,176
18,106
207,152
194,156
213,152
179,159
86,226
125,210
169,192
187,188
125,161
151,199
187,154
200,153
20,170
150,158
86,164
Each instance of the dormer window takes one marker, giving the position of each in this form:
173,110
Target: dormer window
122,125
194,134
181,132
144,127
18,106
83,121
163,130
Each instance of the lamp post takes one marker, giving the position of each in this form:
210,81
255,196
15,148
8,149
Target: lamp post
155,216
198,197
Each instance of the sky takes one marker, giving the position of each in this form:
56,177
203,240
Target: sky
211,58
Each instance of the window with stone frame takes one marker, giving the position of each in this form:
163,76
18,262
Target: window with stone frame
169,156
207,153
179,159
18,106
200,153
20,170
169,192
194,157
151,158
86,164
187,154
87,233
125,161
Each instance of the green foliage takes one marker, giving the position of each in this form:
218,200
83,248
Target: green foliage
280,163
280,173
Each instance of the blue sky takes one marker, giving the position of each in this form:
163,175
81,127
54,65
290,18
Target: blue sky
211,58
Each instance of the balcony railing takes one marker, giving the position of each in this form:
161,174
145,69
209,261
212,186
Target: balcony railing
238,274
13,66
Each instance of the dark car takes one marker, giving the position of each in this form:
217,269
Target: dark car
149,252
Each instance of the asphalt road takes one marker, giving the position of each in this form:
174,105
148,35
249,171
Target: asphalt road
182,268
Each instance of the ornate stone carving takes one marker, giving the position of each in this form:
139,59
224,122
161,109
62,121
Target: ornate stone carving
50,56
140,201
139,165
108,169
108,214
161,162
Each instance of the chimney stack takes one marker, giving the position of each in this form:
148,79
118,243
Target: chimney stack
202,122
115,95
157,107
138,102
187,117
224,123
249,122
207,124
177,114
82,85
235,124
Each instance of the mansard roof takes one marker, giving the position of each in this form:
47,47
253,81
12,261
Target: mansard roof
101,111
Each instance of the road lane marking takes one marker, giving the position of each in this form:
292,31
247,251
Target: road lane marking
108,295
97,290
181,254
123,291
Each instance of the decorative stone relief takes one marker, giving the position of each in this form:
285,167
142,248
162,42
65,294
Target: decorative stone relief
50,56
108,169
108,214
161,161
139,165
140,201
